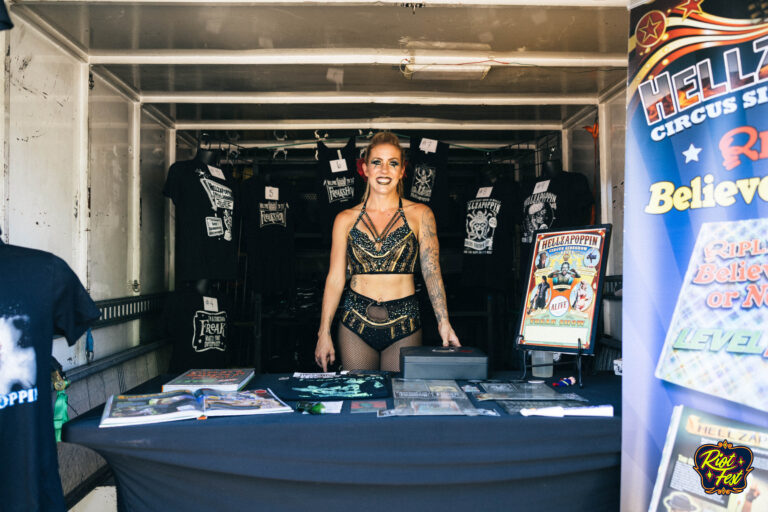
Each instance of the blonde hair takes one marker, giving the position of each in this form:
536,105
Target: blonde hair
380,139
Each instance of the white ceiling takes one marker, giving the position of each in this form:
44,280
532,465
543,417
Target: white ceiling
303,64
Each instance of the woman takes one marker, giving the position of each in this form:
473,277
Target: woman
379,240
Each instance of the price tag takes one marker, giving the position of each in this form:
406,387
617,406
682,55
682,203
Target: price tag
272,193
428,145
484,192
216,172
338,165
541,187
211,304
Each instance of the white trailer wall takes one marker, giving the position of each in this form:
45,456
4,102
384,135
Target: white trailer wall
110,192
153,172
85,172
47,177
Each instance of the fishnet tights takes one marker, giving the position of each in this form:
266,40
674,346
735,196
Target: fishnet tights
358,355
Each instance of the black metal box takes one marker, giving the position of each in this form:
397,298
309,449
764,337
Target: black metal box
443,363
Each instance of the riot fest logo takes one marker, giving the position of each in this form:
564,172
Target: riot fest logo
723,468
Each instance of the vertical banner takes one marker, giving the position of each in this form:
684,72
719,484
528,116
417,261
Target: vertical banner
695,309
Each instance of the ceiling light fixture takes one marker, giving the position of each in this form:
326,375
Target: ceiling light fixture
440,60
446,71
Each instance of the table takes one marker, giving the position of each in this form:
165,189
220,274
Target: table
335,462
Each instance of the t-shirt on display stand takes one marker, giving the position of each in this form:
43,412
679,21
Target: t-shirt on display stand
563,291
204,196
39,296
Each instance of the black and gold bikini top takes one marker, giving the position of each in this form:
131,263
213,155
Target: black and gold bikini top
391,251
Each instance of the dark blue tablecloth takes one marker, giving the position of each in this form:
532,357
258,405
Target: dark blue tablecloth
330,462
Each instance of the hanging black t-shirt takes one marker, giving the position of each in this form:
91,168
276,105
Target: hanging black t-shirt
205,206
489,235
424,181
338,185
198,325
269,232
39,295
562,200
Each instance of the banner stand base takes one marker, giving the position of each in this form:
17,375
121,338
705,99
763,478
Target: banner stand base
526,364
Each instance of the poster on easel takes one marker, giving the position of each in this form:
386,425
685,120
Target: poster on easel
563,290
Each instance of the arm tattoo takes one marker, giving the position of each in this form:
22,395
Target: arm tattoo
429,253
353,282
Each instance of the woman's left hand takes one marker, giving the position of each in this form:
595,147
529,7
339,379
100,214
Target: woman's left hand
448,336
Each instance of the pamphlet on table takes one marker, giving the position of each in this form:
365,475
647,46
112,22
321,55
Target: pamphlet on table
414,397
522,391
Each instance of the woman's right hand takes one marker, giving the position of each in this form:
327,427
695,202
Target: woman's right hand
325,355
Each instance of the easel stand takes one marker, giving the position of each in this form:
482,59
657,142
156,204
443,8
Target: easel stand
526,365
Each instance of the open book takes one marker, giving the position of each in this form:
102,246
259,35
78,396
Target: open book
122,410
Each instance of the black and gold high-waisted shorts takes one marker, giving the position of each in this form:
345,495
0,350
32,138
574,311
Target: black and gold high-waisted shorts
380,324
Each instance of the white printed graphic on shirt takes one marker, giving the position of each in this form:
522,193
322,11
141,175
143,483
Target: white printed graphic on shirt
210,331
214,226
219,195
18,367
272,214
423,182
538,213
340,189
222,203
481,225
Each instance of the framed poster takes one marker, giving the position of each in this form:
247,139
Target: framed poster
564,288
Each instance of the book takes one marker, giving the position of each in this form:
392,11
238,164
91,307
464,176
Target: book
229,379
677,483
122,410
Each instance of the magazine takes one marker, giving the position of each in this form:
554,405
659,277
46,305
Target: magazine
679,486
230,379
122,410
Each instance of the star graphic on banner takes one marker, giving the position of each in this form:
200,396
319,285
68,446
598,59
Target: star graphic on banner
689,7
650,28
692,153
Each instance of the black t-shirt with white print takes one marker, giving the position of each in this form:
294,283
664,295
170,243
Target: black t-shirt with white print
269,230
205,207
198,324
338,185
426,165
562,200
489,235
39,296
